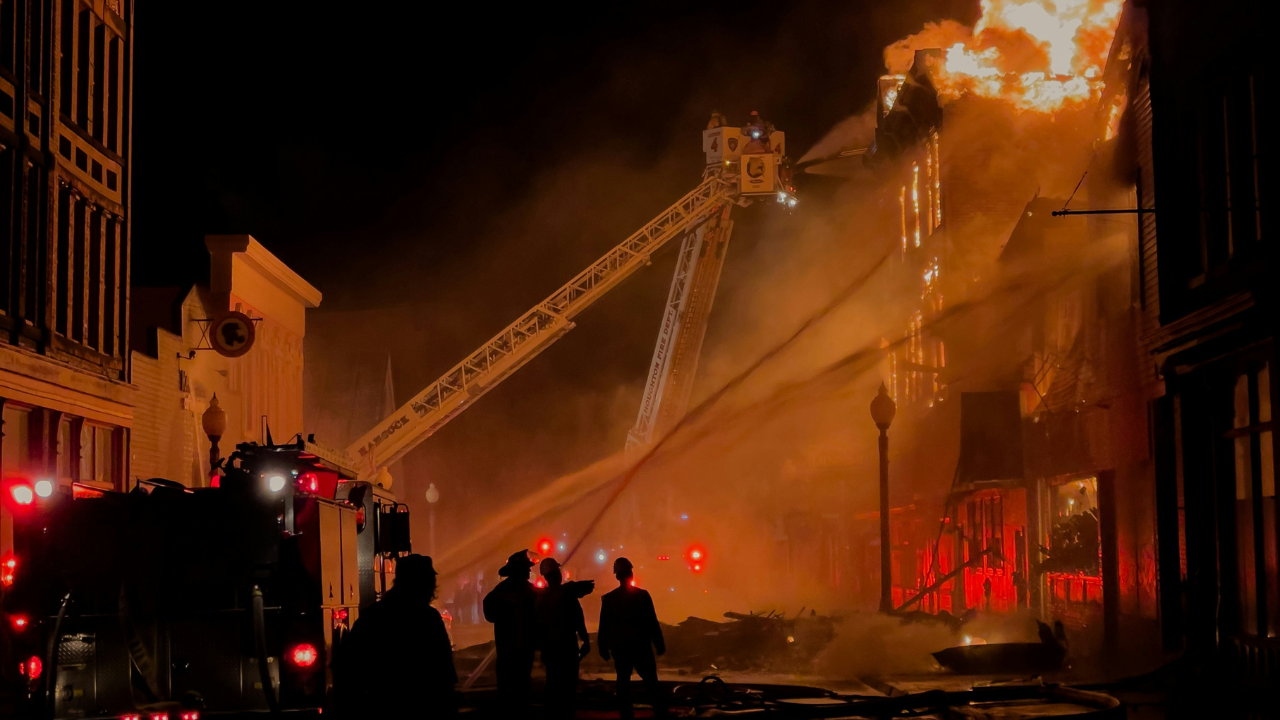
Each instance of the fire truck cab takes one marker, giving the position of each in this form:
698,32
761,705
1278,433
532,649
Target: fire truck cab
168,602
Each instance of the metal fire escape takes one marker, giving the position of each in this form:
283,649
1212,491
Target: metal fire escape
534,331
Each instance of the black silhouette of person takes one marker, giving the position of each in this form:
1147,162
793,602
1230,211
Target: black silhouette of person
629,631
510,607
560,626
397,660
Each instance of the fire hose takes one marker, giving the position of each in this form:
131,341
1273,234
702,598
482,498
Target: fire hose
260,645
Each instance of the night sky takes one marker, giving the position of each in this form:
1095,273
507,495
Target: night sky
317,125
466,159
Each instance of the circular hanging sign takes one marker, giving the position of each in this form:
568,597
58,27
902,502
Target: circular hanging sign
232,334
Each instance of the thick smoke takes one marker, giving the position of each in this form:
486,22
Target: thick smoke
777,459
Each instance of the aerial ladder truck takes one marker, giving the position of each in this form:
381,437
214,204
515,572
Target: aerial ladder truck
166,602
742,163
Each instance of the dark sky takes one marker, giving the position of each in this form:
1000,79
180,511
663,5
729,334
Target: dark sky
338,135
466,159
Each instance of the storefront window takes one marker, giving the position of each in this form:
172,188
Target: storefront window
15,455
97,453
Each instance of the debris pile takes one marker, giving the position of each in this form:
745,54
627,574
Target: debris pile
748,642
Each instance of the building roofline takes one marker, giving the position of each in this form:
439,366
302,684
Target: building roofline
266,263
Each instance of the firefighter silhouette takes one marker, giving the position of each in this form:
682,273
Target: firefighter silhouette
397,661
510,607
629,632
560,626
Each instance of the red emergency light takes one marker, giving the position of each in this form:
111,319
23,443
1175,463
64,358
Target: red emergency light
697,557
32,668
22,494
304,655
19,622
192,715
539,583
7,569
545,547
309,482
131,716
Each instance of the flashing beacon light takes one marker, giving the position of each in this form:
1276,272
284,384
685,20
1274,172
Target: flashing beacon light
44,488
19,622
32,668
275,483
545,545
540,583
308,482
697,556
190,715
22,494
304,655
7,567
131,716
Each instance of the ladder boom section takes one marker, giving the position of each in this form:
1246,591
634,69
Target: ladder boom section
684,324
533,332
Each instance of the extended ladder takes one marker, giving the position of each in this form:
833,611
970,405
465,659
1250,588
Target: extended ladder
684,325
534,331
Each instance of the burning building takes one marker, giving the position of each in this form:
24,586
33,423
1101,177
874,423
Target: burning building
1116,453
1049,503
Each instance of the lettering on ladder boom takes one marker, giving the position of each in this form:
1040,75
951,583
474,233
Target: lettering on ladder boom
391,430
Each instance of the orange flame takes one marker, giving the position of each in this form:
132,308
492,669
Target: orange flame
1039,55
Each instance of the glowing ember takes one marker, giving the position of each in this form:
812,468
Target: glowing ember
1039,55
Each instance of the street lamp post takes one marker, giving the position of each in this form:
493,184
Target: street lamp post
882,412
214,422
433,497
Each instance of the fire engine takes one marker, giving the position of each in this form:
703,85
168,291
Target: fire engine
165,602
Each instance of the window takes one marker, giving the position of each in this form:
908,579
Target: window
113,100
15,454
99,82
1230,212
66,74
64,451
1257,590
94,251
35,54
83,95
8,269
7,36
97,453
79,272
37,249
1074,538
65,277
